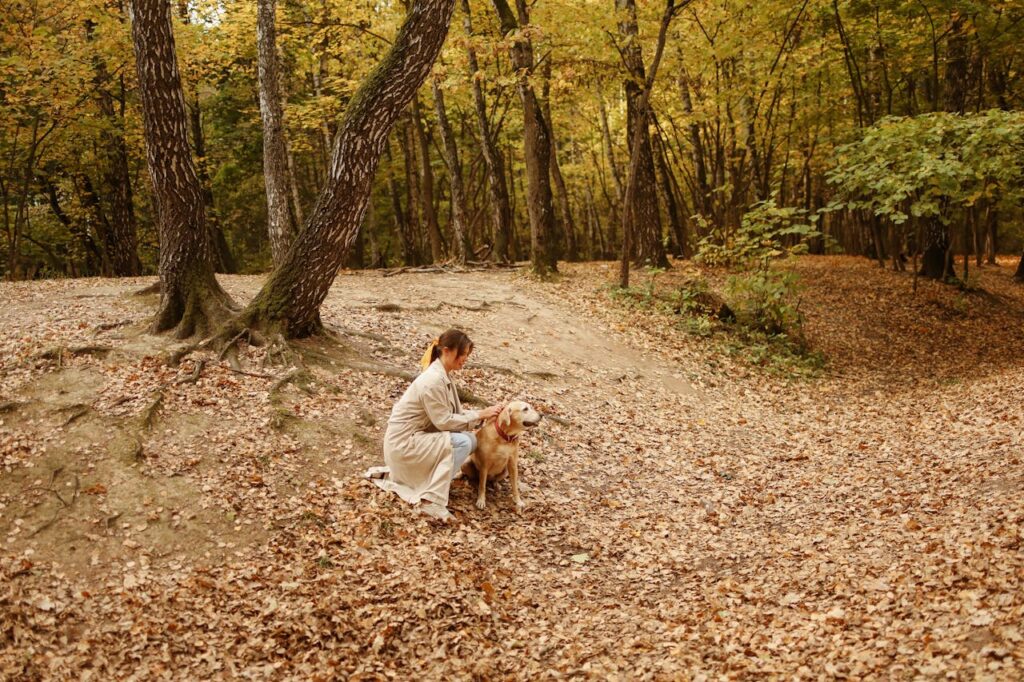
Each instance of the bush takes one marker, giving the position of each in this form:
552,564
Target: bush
766,232
765,301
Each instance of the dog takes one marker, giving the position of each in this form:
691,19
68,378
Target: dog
497,450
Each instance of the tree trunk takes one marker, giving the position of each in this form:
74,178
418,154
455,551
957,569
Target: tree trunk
290,300
460,218
701,188
410,254
223,261
119,245
676,219
937,260
190,299
497,187
275,156
644,212
571,252
991,234
95,220
412,185
427,184
90,250
1019,275
537,144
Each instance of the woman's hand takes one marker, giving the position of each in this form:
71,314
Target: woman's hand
492,411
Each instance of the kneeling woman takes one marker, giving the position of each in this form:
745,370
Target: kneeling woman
428,435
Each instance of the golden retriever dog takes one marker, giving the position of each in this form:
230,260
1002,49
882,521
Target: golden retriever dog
497,450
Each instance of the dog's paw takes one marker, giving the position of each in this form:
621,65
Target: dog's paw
480,504
520,507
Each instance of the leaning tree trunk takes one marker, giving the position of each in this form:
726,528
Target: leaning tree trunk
275,154
497,187
460,218
290,300
537,144
190,299
646,217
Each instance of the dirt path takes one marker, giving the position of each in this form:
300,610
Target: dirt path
685,516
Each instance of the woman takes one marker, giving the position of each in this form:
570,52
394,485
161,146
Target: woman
428,435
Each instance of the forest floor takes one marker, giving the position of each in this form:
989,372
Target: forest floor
689,515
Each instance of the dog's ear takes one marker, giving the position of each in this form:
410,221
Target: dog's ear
504,417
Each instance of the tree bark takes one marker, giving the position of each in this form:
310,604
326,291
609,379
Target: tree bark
119,245
90,250
223,261
290,300
191,300
675,217
275,156
646,217
412,185
460,218
537,143
427,184
410,254
937,260
701,188
571,252
497,187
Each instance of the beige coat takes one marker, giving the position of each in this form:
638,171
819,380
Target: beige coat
417,449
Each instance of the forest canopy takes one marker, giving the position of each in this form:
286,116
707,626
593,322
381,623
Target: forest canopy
877,118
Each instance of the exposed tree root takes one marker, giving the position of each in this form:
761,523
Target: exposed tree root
153,288
76,412
106,326
397,308
301,378
199,307
152,411
366,335
450,267
65,504
196,372
58,353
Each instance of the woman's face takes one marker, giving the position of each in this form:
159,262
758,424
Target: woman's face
452,360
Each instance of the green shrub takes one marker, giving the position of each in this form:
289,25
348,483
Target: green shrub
766,232
765,301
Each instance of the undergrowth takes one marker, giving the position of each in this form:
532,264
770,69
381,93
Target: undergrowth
757,319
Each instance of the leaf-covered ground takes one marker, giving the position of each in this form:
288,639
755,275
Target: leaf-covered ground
687,515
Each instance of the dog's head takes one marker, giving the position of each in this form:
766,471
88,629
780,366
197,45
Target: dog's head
518,416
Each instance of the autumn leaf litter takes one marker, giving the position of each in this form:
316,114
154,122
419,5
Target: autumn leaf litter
687,515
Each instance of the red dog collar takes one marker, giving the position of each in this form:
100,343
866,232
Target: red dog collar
504,436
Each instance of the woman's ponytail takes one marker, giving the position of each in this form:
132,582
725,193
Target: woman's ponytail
433,353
